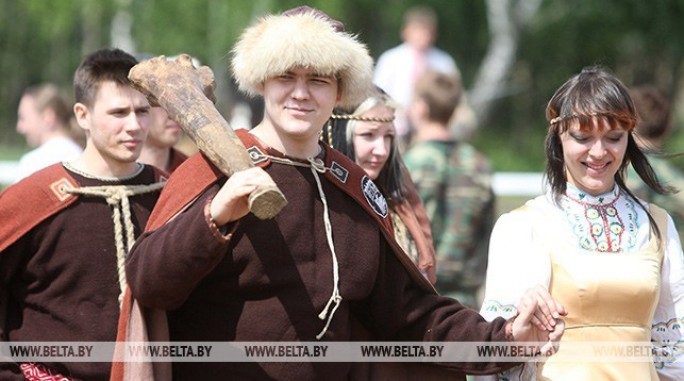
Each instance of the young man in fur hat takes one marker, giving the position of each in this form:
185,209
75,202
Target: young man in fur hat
327,260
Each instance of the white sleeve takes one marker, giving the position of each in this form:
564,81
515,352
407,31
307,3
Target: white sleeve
667,329
453,68
382,76
517,261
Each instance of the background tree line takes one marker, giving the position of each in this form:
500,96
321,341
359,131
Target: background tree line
512,53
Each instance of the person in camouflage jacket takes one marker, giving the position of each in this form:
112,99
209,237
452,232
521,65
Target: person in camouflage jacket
455,182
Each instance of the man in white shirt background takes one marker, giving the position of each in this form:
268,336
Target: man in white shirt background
399,67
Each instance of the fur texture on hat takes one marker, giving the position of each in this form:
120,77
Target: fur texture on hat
279,43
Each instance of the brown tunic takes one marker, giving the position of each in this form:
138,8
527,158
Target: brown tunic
268,280
59,280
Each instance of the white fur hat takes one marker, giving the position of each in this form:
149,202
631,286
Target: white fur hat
303,37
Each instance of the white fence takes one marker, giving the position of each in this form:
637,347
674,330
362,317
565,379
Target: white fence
8,171
518,184
504,184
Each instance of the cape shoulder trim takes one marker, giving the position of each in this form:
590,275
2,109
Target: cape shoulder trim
353,180
31,201
189,180
36,198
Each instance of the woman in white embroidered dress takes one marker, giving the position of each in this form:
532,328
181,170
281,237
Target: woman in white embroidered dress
613,261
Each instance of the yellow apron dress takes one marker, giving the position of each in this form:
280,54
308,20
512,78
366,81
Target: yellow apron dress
609,297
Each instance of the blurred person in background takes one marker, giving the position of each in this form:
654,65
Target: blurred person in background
366,134
162,136
398,68
166,147
454,181
653,127
44,119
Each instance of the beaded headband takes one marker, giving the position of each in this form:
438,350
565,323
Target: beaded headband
362,118
351,117
559,119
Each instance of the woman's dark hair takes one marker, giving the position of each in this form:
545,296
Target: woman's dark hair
339,134
595,97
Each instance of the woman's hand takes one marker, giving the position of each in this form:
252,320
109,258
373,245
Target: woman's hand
539,319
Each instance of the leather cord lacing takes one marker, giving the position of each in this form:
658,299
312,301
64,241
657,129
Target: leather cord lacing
317,166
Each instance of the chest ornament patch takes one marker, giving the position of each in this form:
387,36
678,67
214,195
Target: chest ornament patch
375,199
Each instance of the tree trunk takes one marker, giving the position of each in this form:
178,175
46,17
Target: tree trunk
506,19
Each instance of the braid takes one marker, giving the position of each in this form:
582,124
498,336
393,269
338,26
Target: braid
362,118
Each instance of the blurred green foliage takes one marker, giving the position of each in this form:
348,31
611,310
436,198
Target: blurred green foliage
642,41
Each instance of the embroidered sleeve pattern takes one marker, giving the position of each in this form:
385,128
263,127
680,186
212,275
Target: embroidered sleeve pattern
666,343
494,308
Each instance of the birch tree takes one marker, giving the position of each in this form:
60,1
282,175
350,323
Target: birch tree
506,18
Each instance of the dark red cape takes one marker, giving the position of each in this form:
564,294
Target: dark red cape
36,198
32,200
197,173
190,180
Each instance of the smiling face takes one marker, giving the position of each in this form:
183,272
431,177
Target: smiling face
373,140
297,105
593,155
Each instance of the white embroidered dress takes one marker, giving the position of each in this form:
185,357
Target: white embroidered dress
599,259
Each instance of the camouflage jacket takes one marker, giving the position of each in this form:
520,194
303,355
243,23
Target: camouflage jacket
454,181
